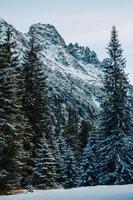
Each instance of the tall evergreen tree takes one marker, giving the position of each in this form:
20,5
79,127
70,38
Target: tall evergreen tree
35,84
35,100
25,127
36,94
115,143
11,129
112,161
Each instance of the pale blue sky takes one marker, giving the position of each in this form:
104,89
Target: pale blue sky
87,22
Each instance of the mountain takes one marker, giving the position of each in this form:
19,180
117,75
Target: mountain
74,72
83,54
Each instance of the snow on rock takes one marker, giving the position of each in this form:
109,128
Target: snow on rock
123,192
83,54
74,73
70,77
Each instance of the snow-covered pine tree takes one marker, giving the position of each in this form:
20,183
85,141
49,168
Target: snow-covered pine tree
59,143
115,143
23,124
65,155
57,153
87,170
28,145
35,83
11,129
44,174
68,166
36,96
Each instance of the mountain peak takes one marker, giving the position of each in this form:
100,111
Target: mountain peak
46,33
83,54
2,19
42,26
3,22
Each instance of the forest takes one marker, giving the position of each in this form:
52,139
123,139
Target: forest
41,152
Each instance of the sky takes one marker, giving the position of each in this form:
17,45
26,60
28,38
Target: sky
87,22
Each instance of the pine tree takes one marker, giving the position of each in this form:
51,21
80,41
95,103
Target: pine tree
36,95
87,171
68,166
35,101
44,174
115,143
66,162
24,125
65,155
108,159
11,129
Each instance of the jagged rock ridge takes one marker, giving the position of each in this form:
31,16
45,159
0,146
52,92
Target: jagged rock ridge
74,75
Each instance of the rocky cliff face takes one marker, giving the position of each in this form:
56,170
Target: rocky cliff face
83,54
74,72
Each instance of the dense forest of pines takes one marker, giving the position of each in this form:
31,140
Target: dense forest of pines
35,153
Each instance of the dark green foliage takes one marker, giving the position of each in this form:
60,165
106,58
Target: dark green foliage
35,101
115,159
109,159
71,131
87,171
36,93
67,165
65,156
44,174
11,129
84,133
115,143
46,152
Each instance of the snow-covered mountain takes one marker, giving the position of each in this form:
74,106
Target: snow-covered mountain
83,54
74,72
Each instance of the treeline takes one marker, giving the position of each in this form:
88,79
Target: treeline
35,152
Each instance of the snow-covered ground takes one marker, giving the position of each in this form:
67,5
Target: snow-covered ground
124,192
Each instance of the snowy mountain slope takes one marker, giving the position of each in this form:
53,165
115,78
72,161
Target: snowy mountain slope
83,54
69,78
73,78
16,36
123,192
